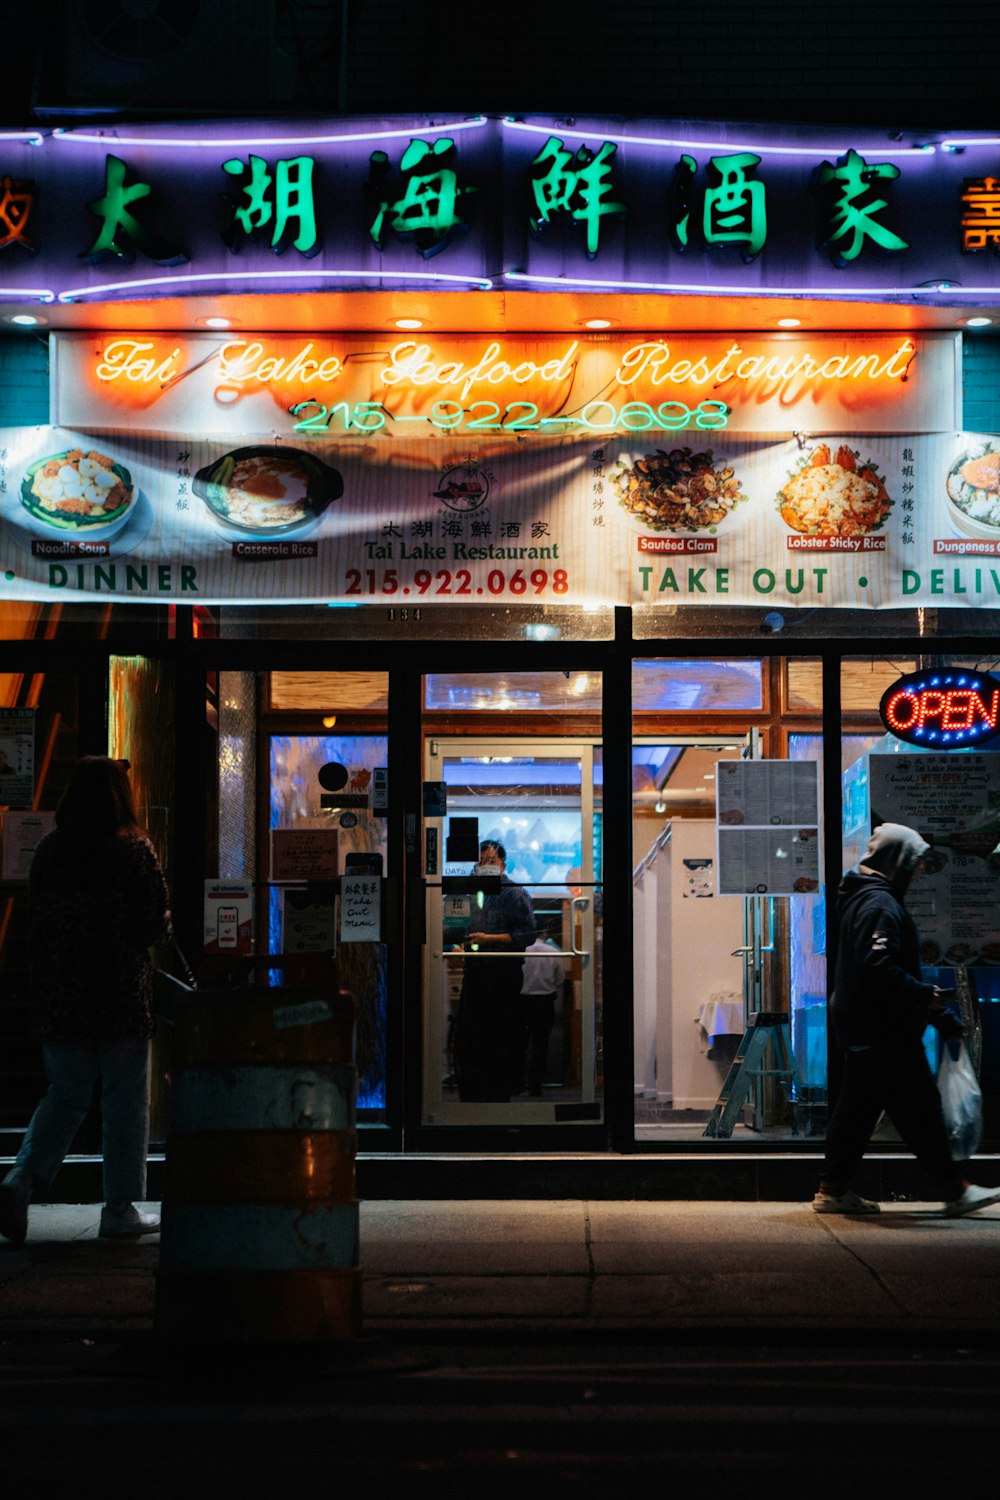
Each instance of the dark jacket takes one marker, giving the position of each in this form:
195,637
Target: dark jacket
91,924
508,910
879,996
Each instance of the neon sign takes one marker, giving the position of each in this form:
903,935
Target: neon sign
652,360
449,384
412,364
516,416
947,708
529,203
409,362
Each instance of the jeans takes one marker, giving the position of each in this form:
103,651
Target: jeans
73,1069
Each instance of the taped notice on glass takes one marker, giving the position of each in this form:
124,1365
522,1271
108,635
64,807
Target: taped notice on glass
360,909
17,757
768,861
766,793
767,827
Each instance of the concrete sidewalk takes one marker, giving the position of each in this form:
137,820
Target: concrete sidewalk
569,1264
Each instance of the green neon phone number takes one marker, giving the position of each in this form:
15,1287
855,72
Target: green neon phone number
516,416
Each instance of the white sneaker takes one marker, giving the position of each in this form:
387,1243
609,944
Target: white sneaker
843,1203
973,1197
126,1223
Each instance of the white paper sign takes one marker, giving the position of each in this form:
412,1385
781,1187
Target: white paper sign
360,909
766,793
768,861
767,826
953,801
228,916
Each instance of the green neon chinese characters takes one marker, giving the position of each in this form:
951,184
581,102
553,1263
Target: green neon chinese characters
578,186
851,221
121,233
282,201
734,208
735,212
428,210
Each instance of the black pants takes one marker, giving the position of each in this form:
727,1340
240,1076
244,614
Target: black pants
895,1078
486,1029
536,1017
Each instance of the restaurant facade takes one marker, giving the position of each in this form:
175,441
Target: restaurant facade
589,489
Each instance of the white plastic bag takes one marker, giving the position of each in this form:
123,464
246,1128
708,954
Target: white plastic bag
961,1102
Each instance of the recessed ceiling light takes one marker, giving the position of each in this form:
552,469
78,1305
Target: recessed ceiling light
24,320
406,323
216,322
597,323
978,322
789,322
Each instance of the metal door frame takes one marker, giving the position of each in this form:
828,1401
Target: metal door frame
437,1112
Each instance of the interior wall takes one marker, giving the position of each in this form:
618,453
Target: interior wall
708,928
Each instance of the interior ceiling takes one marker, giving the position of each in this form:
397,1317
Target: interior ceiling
496,312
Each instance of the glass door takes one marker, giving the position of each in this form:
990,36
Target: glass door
514,911
729,939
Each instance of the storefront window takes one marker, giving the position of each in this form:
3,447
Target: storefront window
727,902
295,801
40,740
690,686
122,624
952,798
140,715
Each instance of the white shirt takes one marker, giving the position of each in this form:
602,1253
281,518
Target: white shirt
543,969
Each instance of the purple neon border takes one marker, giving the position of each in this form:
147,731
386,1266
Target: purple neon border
217,280
188,143
881,148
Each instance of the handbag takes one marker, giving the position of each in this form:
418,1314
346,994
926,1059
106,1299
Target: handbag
172,983
961,1100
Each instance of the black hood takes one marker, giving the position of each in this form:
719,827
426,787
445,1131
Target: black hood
893,852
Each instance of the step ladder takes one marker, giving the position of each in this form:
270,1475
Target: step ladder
770,1029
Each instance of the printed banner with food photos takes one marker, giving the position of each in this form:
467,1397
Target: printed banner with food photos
718,518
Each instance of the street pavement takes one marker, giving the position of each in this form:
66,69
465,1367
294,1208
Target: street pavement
561,1348
570,1265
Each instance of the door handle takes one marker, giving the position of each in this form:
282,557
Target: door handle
581,904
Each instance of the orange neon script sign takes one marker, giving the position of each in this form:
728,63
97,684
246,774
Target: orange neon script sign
559,385
137,361
652,361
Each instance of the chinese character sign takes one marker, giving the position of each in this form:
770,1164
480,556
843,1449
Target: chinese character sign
280,201
493,201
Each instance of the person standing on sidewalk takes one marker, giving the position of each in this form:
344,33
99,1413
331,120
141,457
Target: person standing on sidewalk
880,1009
97,900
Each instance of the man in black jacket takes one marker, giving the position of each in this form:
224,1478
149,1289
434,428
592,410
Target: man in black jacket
880,1009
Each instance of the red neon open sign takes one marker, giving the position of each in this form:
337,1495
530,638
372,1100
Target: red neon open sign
946,708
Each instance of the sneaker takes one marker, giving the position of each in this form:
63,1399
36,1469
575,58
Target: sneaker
843,1203
972,1198
126,1223
15,1195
